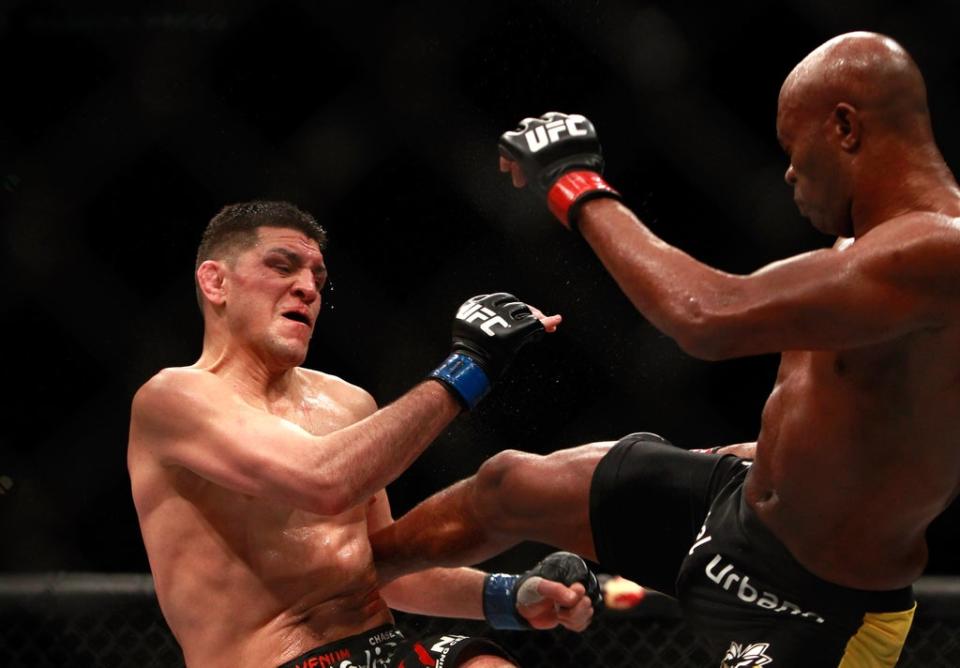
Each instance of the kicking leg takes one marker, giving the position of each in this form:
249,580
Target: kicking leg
515,496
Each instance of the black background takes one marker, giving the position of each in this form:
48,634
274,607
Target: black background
123,132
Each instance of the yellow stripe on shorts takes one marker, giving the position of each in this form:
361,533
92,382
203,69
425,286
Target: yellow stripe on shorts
879,639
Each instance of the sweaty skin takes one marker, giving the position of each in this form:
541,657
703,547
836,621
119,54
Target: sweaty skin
858,449
257,482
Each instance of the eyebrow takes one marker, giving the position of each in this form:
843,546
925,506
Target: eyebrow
297,259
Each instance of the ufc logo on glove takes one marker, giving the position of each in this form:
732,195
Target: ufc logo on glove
470,312
542,135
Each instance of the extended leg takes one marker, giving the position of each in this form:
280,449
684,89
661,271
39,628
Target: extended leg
515,496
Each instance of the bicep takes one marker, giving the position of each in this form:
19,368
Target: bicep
228,443
822,301
833,299
247,451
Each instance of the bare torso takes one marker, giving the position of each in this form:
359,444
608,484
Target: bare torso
859,450
859,447
243,581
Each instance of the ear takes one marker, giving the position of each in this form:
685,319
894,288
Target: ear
210,278
847,126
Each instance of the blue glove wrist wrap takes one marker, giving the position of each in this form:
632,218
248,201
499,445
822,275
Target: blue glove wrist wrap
462,374
500,602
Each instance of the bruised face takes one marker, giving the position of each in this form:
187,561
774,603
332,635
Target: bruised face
817,172
273,294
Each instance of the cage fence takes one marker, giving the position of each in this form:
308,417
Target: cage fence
83,619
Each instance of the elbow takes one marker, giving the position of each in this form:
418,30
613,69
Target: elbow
708,319
327,487
328,506
707,334
705,344
333,499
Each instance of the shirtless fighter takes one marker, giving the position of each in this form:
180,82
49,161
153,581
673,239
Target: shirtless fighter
257,482
805,558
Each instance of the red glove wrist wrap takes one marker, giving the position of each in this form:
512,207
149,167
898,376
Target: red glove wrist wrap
574,186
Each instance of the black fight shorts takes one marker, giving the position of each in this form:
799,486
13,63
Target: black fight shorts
692,535
386,647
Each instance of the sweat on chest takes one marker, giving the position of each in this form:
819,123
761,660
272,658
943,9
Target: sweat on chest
317,414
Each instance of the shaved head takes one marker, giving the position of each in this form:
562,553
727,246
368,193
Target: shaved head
853,119
870,72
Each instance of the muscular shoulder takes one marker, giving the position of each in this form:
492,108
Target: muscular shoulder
172,394
172,382
920,250
352,397
918,229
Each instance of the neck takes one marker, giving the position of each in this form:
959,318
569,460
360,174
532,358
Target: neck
907,180
255,377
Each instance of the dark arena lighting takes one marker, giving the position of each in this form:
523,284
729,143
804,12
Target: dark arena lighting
386,139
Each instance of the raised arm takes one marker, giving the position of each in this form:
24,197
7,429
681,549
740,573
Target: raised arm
191,418
899,277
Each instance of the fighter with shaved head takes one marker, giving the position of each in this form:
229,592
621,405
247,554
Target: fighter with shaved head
805,557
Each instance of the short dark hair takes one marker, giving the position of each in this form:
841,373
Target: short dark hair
234,229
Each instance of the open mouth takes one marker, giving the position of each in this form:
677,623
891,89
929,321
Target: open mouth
298,317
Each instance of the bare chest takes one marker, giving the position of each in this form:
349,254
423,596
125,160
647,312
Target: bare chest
278,541
317,413
922,368
869,409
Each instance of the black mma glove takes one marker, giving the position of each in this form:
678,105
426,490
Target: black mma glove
560,157
501,591
487,332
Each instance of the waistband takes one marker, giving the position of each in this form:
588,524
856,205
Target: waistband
351,648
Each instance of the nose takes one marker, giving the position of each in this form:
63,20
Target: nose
305,287
790,176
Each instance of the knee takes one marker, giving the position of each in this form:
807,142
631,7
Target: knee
499,472
499,491
646,437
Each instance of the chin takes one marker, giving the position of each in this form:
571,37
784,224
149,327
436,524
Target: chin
838,227
288,354
832,226
841,222
819,224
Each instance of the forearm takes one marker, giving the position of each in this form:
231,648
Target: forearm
675,292
370,454
444,530
439,592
